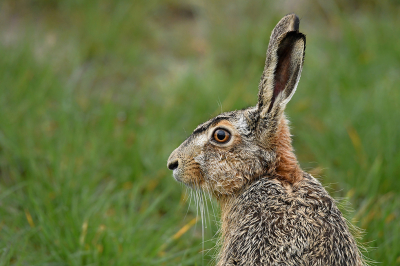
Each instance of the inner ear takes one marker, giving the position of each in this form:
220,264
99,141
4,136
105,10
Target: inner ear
283,70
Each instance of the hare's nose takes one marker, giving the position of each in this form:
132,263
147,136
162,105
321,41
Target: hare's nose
173,165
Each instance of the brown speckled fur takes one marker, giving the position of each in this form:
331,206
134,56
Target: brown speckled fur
268,225
272,212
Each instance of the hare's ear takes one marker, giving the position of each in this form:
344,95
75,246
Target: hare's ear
283,67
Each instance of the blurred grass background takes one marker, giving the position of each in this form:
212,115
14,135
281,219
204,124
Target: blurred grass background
94,95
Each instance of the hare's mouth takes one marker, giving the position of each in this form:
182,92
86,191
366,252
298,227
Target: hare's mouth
177,175
186,179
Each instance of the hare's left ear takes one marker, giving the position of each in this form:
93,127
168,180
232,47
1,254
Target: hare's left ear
283,67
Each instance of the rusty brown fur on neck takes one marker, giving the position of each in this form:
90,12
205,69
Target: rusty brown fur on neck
273,213
286,166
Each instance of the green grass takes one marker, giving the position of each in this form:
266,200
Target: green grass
95,95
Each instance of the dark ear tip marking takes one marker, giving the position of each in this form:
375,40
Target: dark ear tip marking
296,23
293,20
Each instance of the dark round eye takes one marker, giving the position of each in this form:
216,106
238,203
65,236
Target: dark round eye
221,135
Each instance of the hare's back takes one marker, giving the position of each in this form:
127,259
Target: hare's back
273,224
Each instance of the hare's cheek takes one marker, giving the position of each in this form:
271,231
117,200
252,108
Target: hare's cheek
221,171
193,175
190,174
226,179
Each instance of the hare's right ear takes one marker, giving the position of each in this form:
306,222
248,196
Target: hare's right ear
282,70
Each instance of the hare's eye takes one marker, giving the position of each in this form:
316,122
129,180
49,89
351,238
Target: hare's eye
221,135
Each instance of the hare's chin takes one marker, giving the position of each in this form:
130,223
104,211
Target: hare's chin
176,175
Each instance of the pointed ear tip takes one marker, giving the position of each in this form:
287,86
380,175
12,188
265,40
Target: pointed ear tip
294,19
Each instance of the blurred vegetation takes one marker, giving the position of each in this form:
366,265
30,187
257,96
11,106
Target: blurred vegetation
96,94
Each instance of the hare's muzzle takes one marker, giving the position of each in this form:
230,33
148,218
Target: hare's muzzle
173,164
173,161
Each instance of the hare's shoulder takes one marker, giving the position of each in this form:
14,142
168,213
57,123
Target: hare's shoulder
305,205
269,191
271,224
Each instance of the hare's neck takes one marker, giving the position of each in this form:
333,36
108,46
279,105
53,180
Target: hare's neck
226,204
286,167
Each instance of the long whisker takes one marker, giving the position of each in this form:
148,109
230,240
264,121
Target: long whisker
211,202
197,205
202,224
190,200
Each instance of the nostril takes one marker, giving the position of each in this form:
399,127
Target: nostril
173,165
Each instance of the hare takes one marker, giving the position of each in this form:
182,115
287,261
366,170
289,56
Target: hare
272,212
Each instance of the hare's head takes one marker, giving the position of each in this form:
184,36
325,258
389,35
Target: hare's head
234,148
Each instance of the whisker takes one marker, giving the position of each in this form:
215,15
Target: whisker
190,201
202,224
